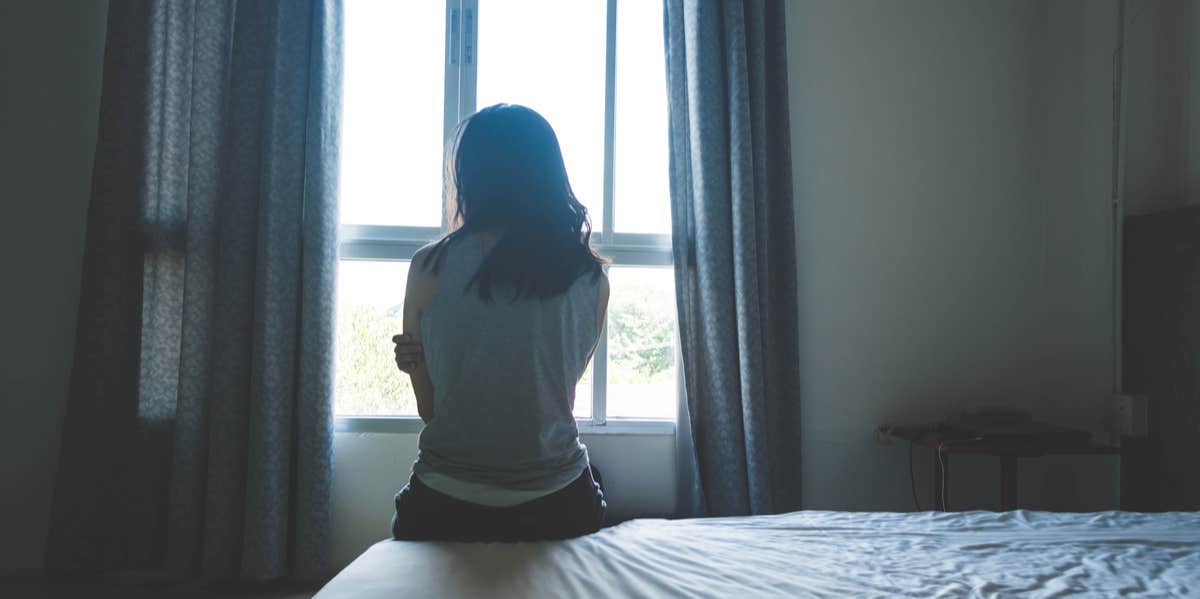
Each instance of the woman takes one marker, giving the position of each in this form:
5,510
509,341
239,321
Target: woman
500,319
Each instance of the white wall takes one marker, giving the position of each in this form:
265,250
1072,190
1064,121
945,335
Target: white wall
1073,149
940,263
639,476
50,63
1157,72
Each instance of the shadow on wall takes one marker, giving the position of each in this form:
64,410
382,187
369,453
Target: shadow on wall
50,64
1162,358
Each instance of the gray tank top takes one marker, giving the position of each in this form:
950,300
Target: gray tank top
504,376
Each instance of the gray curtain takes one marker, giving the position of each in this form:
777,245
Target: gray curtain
734,246
198,433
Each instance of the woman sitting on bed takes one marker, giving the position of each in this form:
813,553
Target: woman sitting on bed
500,319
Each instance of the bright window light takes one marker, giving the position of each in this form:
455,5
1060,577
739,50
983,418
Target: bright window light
412,70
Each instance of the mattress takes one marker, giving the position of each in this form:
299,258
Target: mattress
808,553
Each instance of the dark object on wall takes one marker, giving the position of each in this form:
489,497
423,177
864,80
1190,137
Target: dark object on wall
198,434
1161,355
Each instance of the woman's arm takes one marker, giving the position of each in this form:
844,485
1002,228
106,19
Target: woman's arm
419,294
601,312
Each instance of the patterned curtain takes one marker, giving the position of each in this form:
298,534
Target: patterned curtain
198,433
731,207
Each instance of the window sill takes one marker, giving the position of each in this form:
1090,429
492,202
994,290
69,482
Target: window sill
413,425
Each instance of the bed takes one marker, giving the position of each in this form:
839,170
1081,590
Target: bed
808,553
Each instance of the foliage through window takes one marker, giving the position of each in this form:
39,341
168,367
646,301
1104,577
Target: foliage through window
595,70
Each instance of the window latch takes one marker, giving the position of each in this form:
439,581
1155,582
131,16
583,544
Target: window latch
454,36
469,51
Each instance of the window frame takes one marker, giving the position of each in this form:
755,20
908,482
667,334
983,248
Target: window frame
399,243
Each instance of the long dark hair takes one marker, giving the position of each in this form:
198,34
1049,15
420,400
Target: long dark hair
505,174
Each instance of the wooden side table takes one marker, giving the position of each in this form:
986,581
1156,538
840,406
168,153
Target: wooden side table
1009,448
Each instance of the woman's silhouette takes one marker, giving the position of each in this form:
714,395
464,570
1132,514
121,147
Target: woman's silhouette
500,319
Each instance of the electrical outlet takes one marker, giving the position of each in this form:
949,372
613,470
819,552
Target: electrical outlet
1131,415
882,437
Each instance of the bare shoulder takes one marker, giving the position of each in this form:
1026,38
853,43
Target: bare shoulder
420,289
602,305
603,285
422,259
422,276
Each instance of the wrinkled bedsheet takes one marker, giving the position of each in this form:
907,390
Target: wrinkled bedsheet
808,553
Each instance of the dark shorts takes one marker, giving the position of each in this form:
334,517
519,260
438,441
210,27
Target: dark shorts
423,514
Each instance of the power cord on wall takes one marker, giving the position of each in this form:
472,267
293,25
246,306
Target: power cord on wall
941,456
912,480
942,470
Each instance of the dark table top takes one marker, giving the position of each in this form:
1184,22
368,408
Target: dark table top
949,440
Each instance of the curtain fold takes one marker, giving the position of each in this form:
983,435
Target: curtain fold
734,249
198,433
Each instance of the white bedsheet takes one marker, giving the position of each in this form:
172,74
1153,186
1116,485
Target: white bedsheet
810,553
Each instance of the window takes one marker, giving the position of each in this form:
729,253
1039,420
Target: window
595,70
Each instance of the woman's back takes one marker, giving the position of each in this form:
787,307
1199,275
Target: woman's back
498,328
504,375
